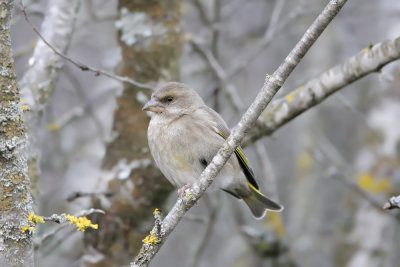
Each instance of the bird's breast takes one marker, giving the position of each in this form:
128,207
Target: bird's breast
171,151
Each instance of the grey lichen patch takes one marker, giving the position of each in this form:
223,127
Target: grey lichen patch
15,200
138,29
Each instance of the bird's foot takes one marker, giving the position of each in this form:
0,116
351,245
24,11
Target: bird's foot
181,191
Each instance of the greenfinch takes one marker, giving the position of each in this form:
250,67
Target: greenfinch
185,134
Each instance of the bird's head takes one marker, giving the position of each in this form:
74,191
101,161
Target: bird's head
173,99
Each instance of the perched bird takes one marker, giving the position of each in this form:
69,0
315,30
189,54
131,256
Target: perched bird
184,135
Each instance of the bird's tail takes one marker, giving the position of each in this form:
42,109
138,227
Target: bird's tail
259,204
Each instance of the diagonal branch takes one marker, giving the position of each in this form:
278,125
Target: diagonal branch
315,91
271,86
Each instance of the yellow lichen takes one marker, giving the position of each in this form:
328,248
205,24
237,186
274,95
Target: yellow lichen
24,228
275,220
82,223
188,195
34,219
369,182
289,98
369,47
304,161
25,107
53,127
150,239
156,211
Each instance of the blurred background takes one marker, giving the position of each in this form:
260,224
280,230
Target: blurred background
332,167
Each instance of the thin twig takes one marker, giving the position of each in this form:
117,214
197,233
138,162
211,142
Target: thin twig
230,89
340,170
203,14
79,65
274,19
334,173
268,171
268,38
210,225
60,218
216,27
79,194
271,86
224,76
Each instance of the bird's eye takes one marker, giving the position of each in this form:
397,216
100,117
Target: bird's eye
169,98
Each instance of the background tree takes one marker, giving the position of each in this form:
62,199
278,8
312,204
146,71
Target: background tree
16,248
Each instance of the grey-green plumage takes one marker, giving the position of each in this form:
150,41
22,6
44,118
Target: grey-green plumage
184,135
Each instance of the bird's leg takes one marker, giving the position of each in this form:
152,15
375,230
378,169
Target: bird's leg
181,191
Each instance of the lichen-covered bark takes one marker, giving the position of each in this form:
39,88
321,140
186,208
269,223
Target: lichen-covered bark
317,90
151,42
15,200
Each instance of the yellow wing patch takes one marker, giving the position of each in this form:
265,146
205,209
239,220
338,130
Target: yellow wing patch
238,151
244,164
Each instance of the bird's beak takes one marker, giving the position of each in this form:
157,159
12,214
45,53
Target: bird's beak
154,105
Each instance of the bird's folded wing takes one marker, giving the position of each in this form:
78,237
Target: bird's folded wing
223,131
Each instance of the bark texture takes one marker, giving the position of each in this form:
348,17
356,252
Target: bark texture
15,200
281,111
151,43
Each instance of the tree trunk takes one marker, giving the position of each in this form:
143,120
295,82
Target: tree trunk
15,200
151,43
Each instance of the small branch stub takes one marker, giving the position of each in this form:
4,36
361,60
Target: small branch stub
394,203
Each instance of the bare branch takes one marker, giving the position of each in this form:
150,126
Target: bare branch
203,14
340,170
268,38
224,76
230,89
216,27
271,86
38,83
82,66
211,222
79,194
269,33
268,170
315,91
